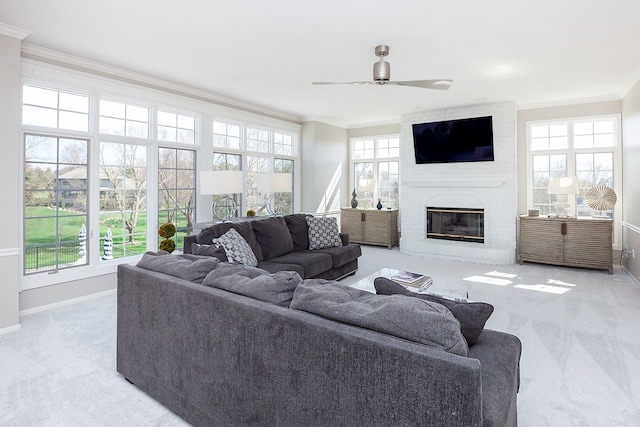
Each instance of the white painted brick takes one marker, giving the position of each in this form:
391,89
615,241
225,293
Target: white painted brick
456,185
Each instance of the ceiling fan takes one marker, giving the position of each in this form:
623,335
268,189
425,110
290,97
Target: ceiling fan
382,74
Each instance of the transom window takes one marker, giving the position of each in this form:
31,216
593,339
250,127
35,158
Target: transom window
176,128
121,118
54,109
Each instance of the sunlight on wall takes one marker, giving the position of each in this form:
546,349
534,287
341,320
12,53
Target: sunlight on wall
331,198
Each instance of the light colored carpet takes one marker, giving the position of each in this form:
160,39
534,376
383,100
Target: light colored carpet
580,366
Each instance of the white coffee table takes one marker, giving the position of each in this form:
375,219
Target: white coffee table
456,289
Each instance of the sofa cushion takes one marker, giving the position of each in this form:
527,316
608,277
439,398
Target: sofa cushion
193,268
209,250
276,288
273,267
245,229
236,248
312,263
341,255
299,229
323,233
273,236
416,320
228,269
471,315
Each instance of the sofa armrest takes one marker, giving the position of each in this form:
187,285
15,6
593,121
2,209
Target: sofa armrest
345,239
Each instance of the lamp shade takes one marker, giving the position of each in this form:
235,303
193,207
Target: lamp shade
366,184
563,185
220,182
274,182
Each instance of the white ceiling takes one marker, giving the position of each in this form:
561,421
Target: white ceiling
535,53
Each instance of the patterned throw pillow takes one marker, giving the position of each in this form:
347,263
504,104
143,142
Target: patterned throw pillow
236,248
323,233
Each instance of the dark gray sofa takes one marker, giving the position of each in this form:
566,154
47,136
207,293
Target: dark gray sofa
282,243
217,358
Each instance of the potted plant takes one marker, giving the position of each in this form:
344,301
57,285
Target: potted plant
167,230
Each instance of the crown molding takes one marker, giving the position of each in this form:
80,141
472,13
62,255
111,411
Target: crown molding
566,102
64,60
15,32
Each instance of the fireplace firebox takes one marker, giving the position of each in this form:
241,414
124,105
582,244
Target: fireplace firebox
460,224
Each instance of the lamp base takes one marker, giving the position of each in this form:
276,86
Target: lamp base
562,209
275,204
223,208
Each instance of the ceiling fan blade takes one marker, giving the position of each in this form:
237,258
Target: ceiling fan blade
442,84
343,83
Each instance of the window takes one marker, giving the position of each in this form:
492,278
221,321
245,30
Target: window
254,151
376,170
176,128
585,147
176,188
226,135
55,203
119,118
54,109
123,197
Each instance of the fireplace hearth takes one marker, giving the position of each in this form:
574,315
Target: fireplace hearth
459,224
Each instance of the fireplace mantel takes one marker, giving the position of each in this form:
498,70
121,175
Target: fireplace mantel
459,182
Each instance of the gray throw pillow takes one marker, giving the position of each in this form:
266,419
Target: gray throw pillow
276,288
323,233
209,250
416,320
471,315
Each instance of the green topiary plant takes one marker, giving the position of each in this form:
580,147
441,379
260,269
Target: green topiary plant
251,212
167,230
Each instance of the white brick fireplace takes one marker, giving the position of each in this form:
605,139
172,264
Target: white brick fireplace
482,185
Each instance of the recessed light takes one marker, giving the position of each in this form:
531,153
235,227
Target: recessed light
481,99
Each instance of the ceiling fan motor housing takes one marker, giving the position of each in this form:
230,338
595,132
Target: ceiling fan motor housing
381,71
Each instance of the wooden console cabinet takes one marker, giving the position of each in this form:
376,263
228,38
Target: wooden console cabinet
370,226
572,242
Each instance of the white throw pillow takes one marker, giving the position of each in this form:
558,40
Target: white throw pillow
236,248
323,233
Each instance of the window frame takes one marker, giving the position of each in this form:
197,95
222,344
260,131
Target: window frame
375,160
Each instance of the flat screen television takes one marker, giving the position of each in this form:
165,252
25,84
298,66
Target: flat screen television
450,141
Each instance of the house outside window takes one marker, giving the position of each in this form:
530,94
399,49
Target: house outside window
375,165
587,148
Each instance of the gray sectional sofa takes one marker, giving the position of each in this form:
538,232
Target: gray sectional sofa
226,349
282,243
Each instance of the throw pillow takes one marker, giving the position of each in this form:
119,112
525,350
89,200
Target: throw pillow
209,250
236,248
416,320
276,288
323,233
471,315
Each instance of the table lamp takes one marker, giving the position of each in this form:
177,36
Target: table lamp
221,184
274,183
562,187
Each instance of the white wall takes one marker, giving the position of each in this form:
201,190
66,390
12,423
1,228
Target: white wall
487,185
10,179
631,178
325,167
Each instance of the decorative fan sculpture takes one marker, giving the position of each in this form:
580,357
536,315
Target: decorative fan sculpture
600,198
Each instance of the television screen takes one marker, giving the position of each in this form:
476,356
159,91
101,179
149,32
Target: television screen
464,140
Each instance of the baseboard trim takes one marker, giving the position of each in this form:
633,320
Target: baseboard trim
66,302
10,329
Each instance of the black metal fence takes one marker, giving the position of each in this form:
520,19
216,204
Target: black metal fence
50,256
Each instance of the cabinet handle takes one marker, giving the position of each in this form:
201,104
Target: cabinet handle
362,215
563,229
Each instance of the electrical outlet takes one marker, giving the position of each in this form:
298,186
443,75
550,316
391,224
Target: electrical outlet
633,253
